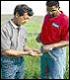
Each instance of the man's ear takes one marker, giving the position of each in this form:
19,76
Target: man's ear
17,15
58,8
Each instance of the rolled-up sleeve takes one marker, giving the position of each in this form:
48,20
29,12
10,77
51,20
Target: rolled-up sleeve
5,39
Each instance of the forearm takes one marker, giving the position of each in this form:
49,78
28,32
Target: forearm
60,44
56,45
27,48
14,53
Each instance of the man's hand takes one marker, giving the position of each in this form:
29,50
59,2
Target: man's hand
47,48
35,52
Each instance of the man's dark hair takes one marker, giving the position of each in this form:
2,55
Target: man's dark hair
21,9
52,3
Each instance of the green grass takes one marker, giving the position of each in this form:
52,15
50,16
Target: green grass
66,76
32,64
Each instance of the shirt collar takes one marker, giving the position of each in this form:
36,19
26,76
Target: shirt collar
15,26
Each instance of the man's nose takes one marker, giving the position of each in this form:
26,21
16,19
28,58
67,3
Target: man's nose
50,13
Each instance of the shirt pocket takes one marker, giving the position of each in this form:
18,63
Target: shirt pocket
56,30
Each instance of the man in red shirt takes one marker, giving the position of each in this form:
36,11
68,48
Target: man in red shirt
54,37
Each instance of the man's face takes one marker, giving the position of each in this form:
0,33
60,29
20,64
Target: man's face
23,19
53,11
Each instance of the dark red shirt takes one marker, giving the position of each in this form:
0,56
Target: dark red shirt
55,29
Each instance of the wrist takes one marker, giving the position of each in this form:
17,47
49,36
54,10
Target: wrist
25,53
51,49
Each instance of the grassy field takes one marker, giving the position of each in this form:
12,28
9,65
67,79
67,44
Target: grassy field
32,64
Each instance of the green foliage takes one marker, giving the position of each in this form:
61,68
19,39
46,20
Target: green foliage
66,76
